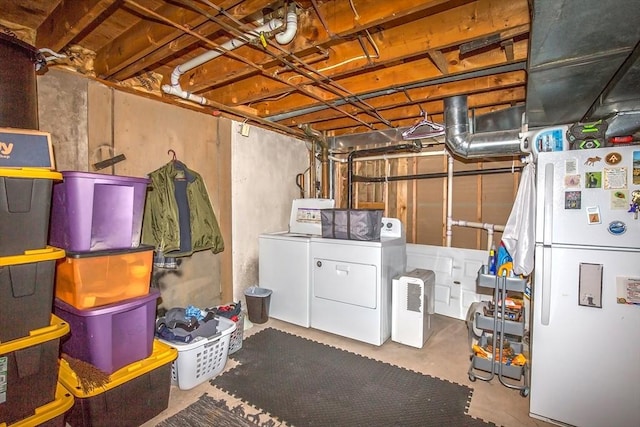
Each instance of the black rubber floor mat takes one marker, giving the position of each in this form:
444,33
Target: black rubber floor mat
206,412
305,383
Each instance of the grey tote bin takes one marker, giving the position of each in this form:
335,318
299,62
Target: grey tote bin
351,224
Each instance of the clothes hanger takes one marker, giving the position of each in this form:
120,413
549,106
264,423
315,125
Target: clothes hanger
180,175
423,129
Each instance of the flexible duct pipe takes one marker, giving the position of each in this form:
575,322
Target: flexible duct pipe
465,144
176,89
287,35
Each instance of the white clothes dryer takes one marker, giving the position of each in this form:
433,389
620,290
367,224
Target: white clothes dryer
351,283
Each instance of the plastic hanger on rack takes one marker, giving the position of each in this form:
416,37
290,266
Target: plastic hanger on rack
423,129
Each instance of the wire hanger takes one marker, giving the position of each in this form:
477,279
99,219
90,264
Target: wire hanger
174,158
423,129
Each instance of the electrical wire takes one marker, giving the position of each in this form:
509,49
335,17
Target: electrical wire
355,12
347,61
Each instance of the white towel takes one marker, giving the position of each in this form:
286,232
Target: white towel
519,232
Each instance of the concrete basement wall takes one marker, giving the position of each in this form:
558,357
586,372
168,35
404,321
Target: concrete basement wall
264,169
62,111
90,121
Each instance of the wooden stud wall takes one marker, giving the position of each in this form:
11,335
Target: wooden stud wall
421,204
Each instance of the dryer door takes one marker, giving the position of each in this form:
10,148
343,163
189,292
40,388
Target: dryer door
346,282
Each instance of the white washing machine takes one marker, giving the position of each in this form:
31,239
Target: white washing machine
351,283
284,262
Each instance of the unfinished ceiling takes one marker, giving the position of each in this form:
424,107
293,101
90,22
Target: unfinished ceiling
341,67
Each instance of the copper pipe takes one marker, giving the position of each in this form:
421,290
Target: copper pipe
312,169
324,158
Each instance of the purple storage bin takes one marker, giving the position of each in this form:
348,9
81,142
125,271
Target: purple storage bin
92,211
111,336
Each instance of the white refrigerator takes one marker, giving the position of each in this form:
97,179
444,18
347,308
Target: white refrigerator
585,326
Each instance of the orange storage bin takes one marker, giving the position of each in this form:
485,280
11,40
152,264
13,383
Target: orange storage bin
90,279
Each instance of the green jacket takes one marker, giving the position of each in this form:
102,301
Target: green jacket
161,223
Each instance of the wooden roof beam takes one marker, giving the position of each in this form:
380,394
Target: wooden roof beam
67,20
148,36
439,60
344,25
396,44
503,96
400,75
425,94
184,41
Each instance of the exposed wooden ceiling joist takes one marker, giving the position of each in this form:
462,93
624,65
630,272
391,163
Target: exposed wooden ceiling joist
352,65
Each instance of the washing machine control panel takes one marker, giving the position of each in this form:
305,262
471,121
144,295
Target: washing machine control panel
391,227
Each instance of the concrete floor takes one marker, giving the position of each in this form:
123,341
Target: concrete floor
445,355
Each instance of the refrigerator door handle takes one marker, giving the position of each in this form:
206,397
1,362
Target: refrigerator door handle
547,202
546,286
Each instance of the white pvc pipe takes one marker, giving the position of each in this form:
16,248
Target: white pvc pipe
287,35
176,89
451,222
484,225
449,199
392,156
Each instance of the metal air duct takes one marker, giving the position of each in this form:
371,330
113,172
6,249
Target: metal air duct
468,145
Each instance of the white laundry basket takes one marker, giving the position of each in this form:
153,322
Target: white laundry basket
203,358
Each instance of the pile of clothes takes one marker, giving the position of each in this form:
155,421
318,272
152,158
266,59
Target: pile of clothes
187,324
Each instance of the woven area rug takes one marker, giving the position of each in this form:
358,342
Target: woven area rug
304,383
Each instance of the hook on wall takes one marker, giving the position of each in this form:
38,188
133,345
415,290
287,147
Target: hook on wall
173,153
